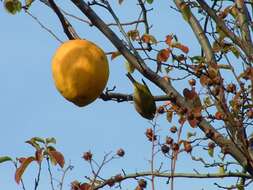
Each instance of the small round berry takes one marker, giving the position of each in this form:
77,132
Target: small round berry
192,82
142,183
120,152
165,149
87,156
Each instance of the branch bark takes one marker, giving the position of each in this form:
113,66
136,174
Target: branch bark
68,29
176,175
120,97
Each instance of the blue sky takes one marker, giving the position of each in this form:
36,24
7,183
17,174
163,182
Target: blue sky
30,105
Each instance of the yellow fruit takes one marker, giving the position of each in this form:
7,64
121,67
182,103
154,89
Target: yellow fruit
80,71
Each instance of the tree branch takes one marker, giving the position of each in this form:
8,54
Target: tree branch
119,97
176,175
68,29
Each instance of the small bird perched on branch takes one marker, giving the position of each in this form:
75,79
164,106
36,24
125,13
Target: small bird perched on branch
144,102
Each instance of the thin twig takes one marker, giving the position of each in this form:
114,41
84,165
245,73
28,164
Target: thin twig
43,26
50,173
70,167
37,180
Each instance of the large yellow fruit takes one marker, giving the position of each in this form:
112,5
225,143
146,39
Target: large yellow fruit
80,71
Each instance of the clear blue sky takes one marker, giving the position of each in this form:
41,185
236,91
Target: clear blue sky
30,105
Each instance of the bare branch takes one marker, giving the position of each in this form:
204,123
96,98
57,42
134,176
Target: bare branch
43,26
120,97
178,175
68,29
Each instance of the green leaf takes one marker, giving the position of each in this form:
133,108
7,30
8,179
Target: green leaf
150,1
190,134
33,143
51,140
5,159
222,169
240,187
210,152
235,51
18,6
38,139
28,3
197,59
12,6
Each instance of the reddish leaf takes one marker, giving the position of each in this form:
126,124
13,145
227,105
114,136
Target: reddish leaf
58,157
196,111
163,55
219,115
21,159
189,94
169,39
180,46
50,148
147,38
193,122
19,172
115,54
85,186
204,80
75,185
212,72
39,155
